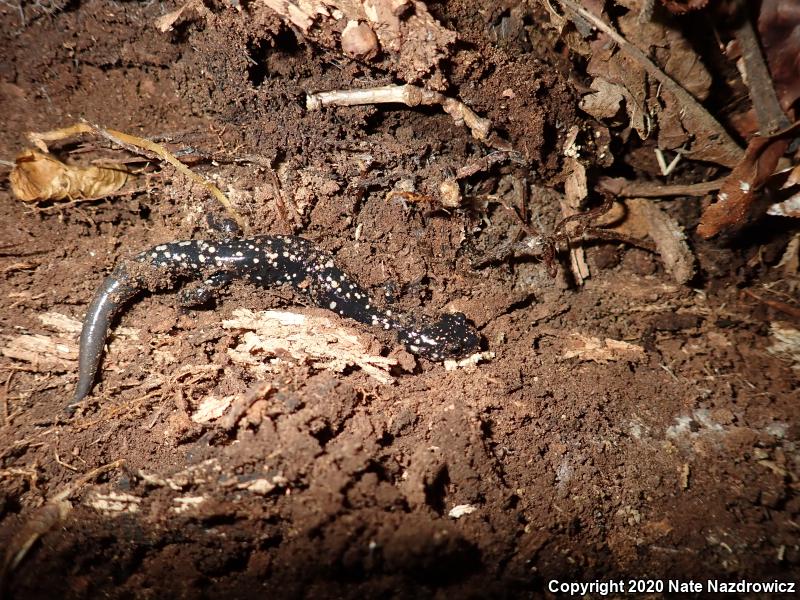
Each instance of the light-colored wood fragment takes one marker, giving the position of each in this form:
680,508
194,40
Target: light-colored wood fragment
410,95
593,349
270,335
668,236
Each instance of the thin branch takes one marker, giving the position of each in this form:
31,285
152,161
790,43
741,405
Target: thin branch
631,189
410,95
770,116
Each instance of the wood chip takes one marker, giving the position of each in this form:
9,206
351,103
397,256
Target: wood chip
593,349
668,236
306,338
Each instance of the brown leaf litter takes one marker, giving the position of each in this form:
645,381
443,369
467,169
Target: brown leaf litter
405,31
739,202
38,176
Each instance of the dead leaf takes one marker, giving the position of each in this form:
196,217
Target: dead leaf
61,323
605,102
405,29
787,208
38,176
661,95
779,32
140,146
469,363
621,70
790,261
165,22
114,503
736,204
299,13
575,191
211,408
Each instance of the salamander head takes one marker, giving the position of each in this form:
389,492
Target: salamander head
452,336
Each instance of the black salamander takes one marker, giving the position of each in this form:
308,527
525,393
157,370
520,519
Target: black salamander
264,261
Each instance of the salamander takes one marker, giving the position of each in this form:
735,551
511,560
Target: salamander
266,260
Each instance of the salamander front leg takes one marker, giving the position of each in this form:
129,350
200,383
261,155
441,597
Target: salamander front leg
203,293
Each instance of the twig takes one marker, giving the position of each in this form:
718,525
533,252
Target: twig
615,236
6,389
625,188
776,304
450,190
770,116
63,464
483,163
733,152
410,95
281,204
84,479
116,411
61,206
667,169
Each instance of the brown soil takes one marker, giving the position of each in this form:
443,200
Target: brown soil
679,463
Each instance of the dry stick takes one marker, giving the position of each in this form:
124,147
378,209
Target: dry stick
410,95
280,204
632,189
690,105
6,389
770,116
776,304
123,139
61,206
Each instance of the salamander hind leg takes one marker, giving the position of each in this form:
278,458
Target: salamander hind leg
202,293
